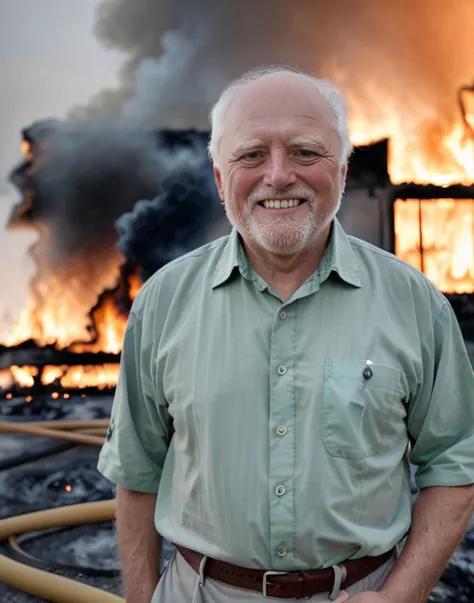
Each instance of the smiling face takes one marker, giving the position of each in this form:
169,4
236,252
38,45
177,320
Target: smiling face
279,171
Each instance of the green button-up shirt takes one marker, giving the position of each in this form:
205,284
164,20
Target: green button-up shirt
277,435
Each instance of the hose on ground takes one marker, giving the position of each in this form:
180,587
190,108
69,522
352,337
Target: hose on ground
40,583
37,582
32,429
18,553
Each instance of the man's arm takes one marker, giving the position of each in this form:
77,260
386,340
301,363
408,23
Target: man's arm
441,516
139,544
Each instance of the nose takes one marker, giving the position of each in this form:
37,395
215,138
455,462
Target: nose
279,173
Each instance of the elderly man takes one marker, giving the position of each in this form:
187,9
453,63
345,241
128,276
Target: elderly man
276,384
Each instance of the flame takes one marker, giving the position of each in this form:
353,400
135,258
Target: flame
102,377
430,149
436,236
62,319
24,375
61,322
68,377
110,330
26,150
135,284
6,379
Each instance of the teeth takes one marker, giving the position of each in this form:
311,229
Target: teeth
277,204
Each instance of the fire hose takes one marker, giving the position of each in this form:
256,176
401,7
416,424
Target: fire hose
40,583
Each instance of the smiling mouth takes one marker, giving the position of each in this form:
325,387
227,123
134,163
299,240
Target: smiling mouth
280,203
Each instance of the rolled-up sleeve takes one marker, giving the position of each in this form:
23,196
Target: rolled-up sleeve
441,415
137,441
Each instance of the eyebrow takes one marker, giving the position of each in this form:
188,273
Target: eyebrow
250,145
297,141
301,141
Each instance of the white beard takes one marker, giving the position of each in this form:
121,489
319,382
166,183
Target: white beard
283,235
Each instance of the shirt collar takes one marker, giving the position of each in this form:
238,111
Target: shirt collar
339,257
343,260
229,259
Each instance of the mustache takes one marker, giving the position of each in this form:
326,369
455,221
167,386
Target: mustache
293,192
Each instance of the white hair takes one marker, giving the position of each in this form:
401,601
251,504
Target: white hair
331,94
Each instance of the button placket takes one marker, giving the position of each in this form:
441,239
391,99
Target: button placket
281,418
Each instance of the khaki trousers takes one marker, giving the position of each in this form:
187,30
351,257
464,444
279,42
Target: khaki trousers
179,583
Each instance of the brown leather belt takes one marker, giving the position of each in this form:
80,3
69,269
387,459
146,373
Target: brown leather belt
283,585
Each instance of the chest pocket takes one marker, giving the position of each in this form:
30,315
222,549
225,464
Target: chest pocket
358,400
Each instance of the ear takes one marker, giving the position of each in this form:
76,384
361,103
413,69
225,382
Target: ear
343,177
219,181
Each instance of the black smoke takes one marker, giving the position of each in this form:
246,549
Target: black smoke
175,222
81,178
85,177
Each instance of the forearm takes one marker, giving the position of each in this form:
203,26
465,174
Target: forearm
441,517
139,544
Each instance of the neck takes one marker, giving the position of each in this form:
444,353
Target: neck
286,273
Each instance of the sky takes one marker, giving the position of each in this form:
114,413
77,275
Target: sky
49,62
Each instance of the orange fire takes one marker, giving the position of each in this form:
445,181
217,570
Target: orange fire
100,377
436,236
427,150
62,319
63,322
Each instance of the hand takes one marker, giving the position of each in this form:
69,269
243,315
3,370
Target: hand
364,597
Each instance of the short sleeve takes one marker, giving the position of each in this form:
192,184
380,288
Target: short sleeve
137,441
441,415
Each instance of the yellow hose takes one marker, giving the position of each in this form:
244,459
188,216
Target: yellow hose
69,424
99,431
72,515
10,427
44,585
50,587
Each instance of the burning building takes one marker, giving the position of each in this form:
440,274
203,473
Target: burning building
124,185
110,206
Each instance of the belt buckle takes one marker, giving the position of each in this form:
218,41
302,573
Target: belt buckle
265,583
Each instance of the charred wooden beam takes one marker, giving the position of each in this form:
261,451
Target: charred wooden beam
431,191
30,354
41,391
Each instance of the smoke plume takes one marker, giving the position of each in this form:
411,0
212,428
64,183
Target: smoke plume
85,176
391,58
80,180
175,222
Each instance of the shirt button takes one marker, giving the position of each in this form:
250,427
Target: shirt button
281,550
281,430
280,490
283,314
367,373
282,369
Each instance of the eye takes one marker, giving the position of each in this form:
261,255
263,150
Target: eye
306,153
252,155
